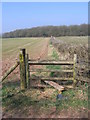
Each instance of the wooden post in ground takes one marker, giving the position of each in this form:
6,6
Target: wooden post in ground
22,60
27,72
74,70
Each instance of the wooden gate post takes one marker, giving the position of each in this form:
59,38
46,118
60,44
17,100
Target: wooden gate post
22,69
27,72
74,70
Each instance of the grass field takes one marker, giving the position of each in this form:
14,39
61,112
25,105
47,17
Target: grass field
33,46
11,46
74,39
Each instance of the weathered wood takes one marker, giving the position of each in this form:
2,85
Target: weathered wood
55,85
68,86
38,86
27,72
41,70
74,70
52,78
22,69
47,60
9,71
50,63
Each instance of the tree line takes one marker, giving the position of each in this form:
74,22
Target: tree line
47,31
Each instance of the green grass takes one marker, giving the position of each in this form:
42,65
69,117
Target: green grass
9,89
53,67
55,55
72,100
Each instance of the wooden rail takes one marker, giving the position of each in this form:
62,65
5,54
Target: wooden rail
9,71
53,78
60,71
51,63
55,85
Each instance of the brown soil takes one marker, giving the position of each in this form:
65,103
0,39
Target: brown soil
33,112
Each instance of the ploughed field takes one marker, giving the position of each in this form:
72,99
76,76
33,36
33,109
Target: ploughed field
36,48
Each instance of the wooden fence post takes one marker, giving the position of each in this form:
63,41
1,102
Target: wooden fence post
27,72
74,70
22,69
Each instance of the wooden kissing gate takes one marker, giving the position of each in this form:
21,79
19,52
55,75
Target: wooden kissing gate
25,62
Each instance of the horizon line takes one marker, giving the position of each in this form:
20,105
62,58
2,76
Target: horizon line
41,26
